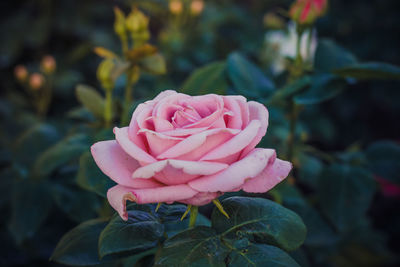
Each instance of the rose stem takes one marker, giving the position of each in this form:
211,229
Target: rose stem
194,210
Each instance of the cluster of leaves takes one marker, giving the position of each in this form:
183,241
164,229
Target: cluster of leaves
257,234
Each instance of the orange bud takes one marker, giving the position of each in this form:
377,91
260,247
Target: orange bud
36,81
196,7
48,64
175,6
307,11
21,73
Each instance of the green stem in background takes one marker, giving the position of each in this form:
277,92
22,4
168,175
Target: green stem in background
292,130
194,210
127,104
296,72
125,47
309,40
108,108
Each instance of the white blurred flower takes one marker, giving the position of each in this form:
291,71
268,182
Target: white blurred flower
282,44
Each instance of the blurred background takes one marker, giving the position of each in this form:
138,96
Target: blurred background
191,34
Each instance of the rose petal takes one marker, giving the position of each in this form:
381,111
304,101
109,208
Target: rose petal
202,198
199,144
118,165
236,174
257,112
234,121
162,125
210,107
118,195
172,171
164,94
185,132
159,142
269,177
236,143
166,107
131,148
244,108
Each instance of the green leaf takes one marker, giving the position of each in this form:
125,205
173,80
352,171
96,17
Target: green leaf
140,232
247,78
345,194
31,203
59,154
154,64
370,71
260,255
262,220
323,87
77,204
90,176
78,247
330,56
199,246
33,142
91,99
383,160
206,80
291,89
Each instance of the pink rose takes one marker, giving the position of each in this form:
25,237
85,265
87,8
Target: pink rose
189,149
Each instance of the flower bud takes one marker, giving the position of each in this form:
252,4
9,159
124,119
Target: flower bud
104,74
21,73
305,12
119,23
196,7
36,81
48,64
176,7
136,21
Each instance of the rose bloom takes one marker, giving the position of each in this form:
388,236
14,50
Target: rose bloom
307,11
189,149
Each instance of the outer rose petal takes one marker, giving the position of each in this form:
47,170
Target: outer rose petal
121,135
118,165
234,121
164,94
118,195
202,198
269,177
172,172
236,143
257,112
236,174
244,108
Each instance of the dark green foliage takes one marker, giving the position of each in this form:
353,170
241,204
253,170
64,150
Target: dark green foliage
248,79
140,232
206,80
260,220
91,178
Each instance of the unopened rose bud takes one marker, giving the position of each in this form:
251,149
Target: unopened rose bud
305,12
136,21
48,64
104,73
196,7
119,24
36,81
21,73
175,6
